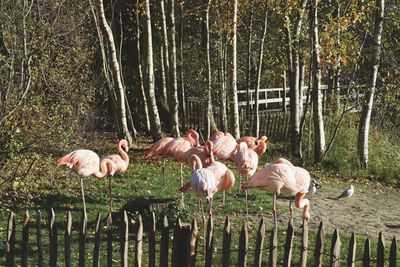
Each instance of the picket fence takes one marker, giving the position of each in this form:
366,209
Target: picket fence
185,245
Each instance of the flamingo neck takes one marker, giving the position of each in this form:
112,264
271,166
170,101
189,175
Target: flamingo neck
123,154
103,169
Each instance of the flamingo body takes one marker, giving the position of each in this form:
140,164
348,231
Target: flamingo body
246,160
121,161
157,148
203,152
224,145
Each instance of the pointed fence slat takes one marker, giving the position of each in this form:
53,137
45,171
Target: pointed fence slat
259,247
393,253
319,245
39,238
335,249
97,239
226,243
152,241
67,240
304,245
209,242
52,238
82,239
273,247
194,234
123,238
243,245
380,255
175,243
10,241
287,258
351,256
139,242
164,245
109,240
367,253
25,240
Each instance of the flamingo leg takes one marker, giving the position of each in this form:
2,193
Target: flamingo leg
181,179
109,194
83,195
163,170
291,208
274,207
223,197
210,207
246,201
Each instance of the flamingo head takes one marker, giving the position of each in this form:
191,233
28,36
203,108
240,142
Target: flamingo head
193,137
124,144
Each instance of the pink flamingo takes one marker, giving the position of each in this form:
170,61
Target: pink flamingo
121,162
203,152
246,160
85,163
282,177
224,145
259,146
157,149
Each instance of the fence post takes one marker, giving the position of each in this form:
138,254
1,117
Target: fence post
226,243
288,244
304,244
139,242
351,256
82,239
273,247
109,240
67,240
367,253
335,249
52,238
152,241
243,245
393,253
25,240
97,239
10,241
194,234
380,255
39,238
175,243
123,239
259,244
209,242
319,245
164,246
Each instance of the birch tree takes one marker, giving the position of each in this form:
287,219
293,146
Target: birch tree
248,71
182,81
116,73
164,55
372,62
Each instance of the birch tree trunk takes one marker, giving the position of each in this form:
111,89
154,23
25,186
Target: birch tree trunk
117,75
319,133
173,83
373,63
155,125
182,81
260,63
222,75
233,99
248,74
164,54
210,122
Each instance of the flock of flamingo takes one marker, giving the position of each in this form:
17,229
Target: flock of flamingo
209,174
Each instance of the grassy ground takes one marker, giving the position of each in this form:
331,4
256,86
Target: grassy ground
373,207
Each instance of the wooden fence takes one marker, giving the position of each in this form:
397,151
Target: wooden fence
185,247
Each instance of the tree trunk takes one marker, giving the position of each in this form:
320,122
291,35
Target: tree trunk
210,122
248,74
182,83
164,55
117,75
222,74
338,60
260,63
373,63
173,83
319,133
233,99
155,125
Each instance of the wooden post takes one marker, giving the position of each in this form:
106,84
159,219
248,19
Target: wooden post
109,240
164,245
123,239
351,256
367,254
39,238
226,243
393,253
287,258
243,245
319,245
259,244
209,242
380,255
139,242
284,108
273,247
25,240
10,241
304,245
67,240
97,239
152,241
52,238
335,249
194,234
82,239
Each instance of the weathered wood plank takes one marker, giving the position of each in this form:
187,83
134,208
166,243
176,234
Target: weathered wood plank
351,255
380,255
139,242
123,239
393,253
82,239
10,241
52,238
319,245
176,248
97,239
164,245
194,234
67,239
39,238
226,243
367,253
287,258
304,245
243,246
335,249
273,247
109,240
152,240
259,247
25,240
209,242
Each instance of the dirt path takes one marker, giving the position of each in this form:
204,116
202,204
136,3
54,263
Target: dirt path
371,209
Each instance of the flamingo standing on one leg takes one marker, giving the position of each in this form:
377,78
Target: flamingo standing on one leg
259,146
121,162
282,177
203,152
85,163
224,145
